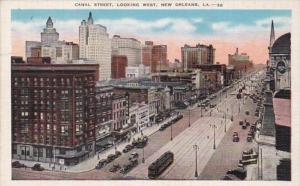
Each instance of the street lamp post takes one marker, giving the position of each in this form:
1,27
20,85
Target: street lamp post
225,123
196,148
171,133
201,111
143,160
189,117
214,127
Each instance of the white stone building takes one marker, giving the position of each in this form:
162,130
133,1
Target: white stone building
129,47
94,44
137,71
139,115
50,46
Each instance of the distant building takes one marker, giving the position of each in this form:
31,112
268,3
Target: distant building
119,114
159,58
118,66
16,60
94,44
129,47
60,52
38,60
53,112
147,53
241,62
197,55
137,71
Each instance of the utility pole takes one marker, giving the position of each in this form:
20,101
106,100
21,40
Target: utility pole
196,148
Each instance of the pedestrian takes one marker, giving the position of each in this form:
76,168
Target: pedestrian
98,156
207,137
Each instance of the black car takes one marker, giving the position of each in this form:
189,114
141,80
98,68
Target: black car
127,148
239,172
115,168
17,164
37,167
163,127
244,126
101,164
111,158
118,153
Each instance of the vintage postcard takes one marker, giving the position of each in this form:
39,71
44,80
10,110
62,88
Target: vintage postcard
137,91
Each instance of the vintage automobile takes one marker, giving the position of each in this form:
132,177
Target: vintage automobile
111,158
235,139
118,154
101,164
115,168
248,162
238,172
37,167
17,164
133,156
127,148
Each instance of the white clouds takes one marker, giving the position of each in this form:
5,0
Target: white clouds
260,28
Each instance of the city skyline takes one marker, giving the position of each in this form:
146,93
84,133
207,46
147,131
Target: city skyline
189,27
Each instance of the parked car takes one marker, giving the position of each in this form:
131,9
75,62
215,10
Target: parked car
212,105
249,138
101,164
17,164
115,168
247,123
38,167
118,153
126,168
133,156
230,177
163,127
244,126
238,172
241,122
235,139
127,148
111,158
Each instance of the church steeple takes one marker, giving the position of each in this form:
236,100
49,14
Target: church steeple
90,19
272,35
49,23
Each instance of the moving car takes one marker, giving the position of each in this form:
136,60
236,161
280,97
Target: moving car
127,148
133,156
241,122
101,164
115,168
111,158
235,137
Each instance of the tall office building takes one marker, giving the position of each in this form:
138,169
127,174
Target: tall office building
94,44
129,47
159,58
198,55
147,53
59,51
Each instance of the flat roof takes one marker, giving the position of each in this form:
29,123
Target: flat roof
282,110
54,67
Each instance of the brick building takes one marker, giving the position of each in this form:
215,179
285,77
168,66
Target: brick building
241,62
159,58
118,66
53,112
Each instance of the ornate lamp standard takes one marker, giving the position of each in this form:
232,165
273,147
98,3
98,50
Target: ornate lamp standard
214,127
196,148
189,117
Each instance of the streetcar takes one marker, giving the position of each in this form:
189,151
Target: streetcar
161,164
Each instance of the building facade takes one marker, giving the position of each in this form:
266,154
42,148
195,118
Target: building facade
50,46
94,44
137,71
147,53
118,66
129,47
104,104
159,58
198,55
53,112
241,62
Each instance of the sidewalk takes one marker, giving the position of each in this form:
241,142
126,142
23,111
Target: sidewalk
91,162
